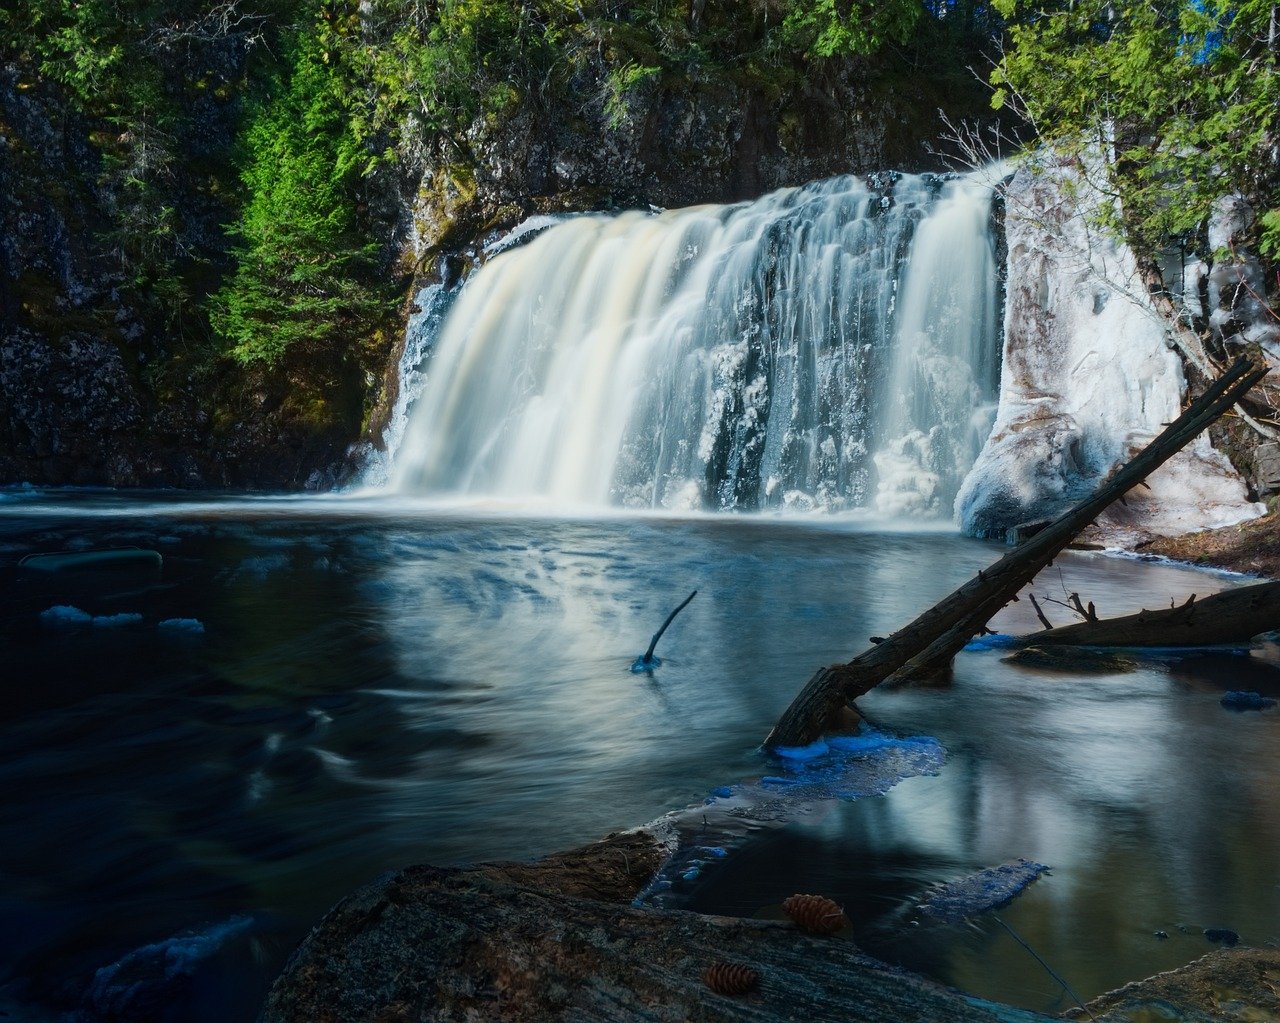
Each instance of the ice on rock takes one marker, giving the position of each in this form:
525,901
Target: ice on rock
1244,699
1087,379
163,974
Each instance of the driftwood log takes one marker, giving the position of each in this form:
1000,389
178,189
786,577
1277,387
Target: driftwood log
925,647
1232,616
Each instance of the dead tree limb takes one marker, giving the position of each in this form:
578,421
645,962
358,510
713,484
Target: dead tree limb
1039,613
1232,616
647,660
927,645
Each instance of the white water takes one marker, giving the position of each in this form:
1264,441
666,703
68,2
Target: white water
722,357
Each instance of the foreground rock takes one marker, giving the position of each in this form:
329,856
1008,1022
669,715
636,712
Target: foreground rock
1252,547
1235,985
557,940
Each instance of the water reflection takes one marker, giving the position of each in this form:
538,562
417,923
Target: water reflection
374,690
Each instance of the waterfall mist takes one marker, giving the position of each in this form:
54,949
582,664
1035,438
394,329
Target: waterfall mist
833,346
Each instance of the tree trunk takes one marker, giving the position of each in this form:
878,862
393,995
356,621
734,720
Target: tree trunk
1232,616
927,645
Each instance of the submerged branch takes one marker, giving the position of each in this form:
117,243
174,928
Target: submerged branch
648,659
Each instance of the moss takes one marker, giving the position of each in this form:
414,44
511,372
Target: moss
447,206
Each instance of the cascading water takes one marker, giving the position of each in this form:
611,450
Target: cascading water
830,346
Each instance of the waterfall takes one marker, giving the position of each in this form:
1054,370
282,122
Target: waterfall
833,346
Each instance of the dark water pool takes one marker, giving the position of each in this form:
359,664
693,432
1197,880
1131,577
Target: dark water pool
375,686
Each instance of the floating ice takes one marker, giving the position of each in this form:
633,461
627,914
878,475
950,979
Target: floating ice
115,621
839,767
160,974
188,625
814,749
994,641
988,889
1243,699
64,615
263,565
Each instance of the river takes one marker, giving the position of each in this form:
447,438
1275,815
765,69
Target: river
377,682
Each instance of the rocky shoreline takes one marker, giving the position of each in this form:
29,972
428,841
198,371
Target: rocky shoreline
559,940
1252,548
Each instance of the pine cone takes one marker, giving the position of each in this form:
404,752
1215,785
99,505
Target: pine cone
730,978
815,914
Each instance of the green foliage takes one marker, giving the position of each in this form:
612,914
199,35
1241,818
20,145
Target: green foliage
847,28
1270,243
236,138
1183,94
306,274
622,83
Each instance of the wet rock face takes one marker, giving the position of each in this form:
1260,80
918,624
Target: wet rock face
88,390
678,144
68,407
1235,984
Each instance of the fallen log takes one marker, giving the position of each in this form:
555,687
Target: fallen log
1232,616
926,647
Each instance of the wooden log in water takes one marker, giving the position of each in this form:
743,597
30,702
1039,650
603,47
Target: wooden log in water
925,647
1232,616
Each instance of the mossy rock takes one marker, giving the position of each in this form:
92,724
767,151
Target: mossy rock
1072,660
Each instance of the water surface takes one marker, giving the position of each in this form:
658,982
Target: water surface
377,685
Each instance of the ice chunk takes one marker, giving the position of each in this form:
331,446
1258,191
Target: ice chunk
1243,699
115,621
164,974
995,641
261,566
808,779
814,749
977,893
192,626
65,615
